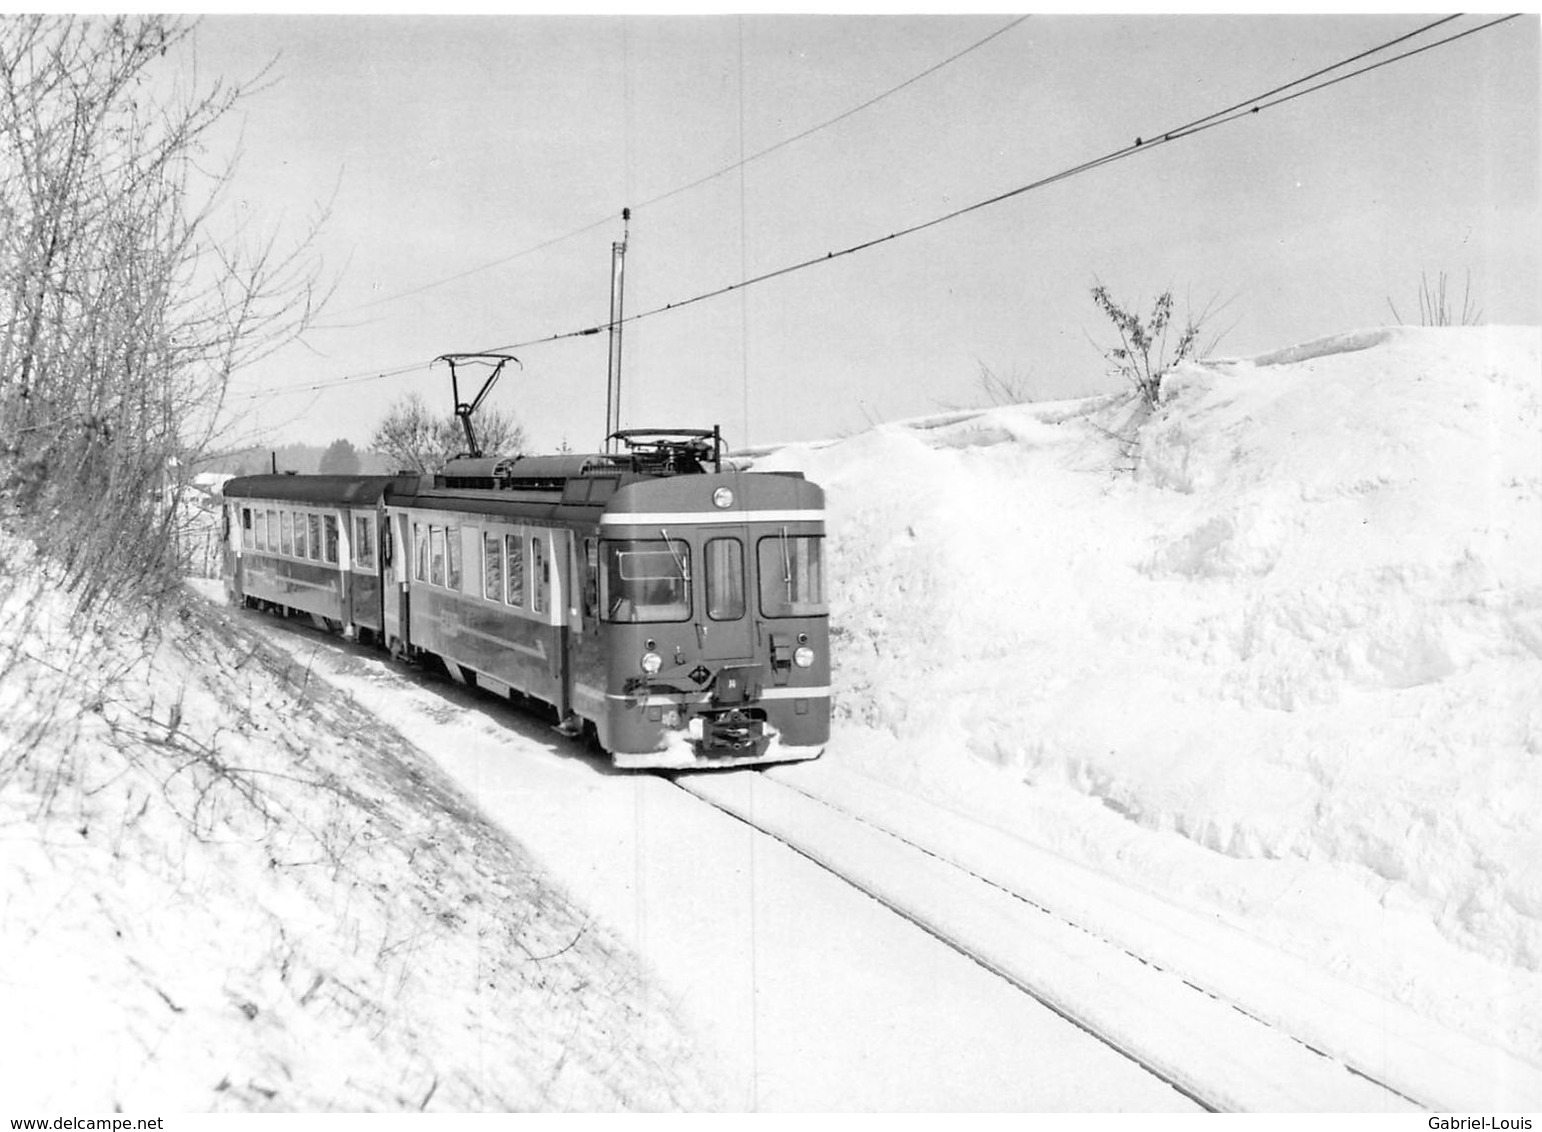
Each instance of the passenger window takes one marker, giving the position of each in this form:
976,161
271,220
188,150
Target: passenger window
273,532
363,545
792,580
539,579
452,557
591,577
515,559
262,530
436,555
313,525
330,523
299,536
725,579
246,528
286,531
492,566
420,552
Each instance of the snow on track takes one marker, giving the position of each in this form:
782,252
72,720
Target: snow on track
813,996
1225,1059
1437,1066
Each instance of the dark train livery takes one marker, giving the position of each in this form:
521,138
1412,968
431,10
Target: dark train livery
675,608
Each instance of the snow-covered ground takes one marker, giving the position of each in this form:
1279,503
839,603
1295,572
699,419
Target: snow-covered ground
811,995
1281,660
1271,654
223,886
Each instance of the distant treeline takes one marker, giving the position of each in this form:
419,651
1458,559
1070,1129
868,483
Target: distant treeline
339,458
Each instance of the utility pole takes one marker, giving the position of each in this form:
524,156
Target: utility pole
613,374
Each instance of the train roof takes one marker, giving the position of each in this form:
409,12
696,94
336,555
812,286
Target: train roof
365,490
682,470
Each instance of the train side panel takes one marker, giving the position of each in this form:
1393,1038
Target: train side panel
293,557
487,595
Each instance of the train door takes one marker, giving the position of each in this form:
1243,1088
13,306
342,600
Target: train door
586,671
396,554
235,528
562,600
723,624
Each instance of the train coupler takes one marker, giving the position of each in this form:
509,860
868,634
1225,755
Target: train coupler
732,732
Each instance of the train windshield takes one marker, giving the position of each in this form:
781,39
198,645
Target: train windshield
792,576
647,580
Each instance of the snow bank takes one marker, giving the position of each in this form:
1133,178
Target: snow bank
1274,649
223,886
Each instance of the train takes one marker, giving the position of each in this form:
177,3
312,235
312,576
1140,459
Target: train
668,607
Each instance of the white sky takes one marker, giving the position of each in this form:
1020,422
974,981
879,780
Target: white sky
455,143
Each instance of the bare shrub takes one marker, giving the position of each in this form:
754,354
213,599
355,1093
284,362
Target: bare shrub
995,391
1145,354
1435,308
123,312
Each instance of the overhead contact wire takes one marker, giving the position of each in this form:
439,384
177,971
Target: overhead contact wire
706,179
1196,126
743,161
1247,107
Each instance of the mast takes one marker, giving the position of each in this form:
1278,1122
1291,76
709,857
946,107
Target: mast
613,370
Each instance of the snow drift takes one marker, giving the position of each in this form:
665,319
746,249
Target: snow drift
1274,648
225,887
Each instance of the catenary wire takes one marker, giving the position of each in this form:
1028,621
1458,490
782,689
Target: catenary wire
1245,108
1140,145
699,181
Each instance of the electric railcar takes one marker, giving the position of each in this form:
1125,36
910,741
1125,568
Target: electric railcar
674,609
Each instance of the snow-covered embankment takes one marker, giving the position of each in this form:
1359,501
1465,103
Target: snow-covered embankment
1274,651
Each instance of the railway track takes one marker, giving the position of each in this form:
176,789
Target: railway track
1222,1019
1255,1032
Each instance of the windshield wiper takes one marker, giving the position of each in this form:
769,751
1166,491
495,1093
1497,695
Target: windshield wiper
680,561
786,566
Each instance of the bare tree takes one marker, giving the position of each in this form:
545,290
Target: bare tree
416,439
123,310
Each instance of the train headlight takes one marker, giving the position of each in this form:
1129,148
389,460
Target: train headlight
652,662
723,497
803,657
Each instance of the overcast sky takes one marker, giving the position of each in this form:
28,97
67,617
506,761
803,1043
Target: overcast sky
450,147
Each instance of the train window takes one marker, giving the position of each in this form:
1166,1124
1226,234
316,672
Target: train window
514,558
363,543
313,525
591,577
273,532
492,566
246,528
792,579
452,557
299,535
420,552
646,580
436,555
262,530
540,578
286,531
330,525
725,579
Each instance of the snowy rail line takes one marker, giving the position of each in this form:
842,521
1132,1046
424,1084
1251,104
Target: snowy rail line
1207,1047
1377,1039
1214,1014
